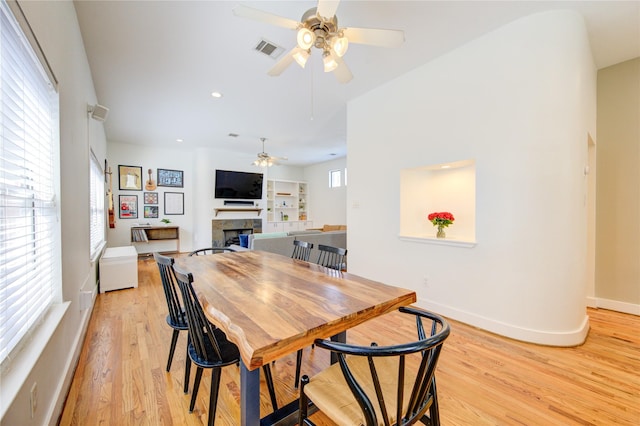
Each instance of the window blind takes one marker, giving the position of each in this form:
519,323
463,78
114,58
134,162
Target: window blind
29,253
96,203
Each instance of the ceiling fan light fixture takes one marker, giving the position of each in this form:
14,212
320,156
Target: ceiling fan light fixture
330,62
305,38
301,57
340,45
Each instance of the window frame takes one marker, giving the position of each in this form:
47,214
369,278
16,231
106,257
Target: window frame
30,247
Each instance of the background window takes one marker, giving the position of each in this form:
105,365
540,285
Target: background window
334,178
96,206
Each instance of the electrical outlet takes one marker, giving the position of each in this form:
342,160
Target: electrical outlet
34,399
425,280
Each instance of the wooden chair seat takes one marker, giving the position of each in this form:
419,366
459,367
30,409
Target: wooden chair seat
330,393
380,385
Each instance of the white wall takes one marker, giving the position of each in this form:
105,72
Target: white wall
327,206
199,168
520,101
617,283
56,28
206,163
153,158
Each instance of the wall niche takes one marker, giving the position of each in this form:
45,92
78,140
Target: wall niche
446,187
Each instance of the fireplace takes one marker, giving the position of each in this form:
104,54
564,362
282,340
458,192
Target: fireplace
232,236
225,232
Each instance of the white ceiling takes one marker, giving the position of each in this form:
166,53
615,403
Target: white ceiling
155,64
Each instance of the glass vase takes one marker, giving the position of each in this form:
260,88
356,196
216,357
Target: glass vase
441,233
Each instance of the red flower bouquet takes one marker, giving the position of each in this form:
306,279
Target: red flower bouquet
441,220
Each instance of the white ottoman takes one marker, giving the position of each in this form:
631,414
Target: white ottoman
118,268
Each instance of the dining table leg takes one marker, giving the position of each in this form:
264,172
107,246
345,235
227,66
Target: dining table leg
249,396
340,338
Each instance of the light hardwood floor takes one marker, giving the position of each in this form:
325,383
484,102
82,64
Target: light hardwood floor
483,379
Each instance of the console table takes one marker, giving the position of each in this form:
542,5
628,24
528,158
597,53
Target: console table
150,234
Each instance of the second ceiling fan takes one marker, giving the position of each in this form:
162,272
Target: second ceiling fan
266,160
319,28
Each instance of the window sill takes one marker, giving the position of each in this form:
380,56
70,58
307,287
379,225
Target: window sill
98,252
16,371
439,241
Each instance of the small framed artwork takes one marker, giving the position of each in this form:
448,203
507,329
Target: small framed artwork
130,178
173,203
150,212
171,178
151,198
128,206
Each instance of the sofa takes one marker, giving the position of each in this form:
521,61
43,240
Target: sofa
282,242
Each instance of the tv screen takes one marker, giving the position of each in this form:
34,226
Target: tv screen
238,185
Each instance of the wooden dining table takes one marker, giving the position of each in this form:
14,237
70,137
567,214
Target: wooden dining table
270,305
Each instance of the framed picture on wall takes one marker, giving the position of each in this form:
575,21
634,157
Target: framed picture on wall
128,206
173,203
173,178
150,212
130,178
151,198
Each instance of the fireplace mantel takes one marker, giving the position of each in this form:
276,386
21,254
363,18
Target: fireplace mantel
237,209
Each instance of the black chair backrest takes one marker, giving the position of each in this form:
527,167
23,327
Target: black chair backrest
332,257
171,290
427,349
201,333
210,250
301,250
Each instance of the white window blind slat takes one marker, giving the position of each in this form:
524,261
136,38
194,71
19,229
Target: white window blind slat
29,254
96,206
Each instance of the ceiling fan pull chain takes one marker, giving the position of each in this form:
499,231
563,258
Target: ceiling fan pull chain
311,93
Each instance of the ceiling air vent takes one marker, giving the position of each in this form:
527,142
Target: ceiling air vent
269,49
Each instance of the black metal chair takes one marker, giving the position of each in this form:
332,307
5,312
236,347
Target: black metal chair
211,250
208,347
380,385
176,318
332,257
301,250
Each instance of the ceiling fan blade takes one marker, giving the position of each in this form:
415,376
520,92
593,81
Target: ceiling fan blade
327,8
269,18
375,36
283,63
342,73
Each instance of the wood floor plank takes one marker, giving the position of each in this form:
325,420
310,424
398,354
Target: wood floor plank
483,379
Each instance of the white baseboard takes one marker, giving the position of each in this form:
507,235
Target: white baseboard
564,339
614,305
64,385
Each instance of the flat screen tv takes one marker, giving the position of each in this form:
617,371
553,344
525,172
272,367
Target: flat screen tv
238,185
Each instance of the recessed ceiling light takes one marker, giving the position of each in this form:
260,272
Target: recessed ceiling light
446,166
179,140
216,94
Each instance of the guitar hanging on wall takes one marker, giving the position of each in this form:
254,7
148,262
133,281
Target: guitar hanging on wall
150,185
112,215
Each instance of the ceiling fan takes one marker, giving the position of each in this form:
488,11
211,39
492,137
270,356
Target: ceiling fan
319,28
266,160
